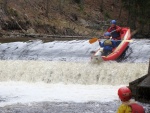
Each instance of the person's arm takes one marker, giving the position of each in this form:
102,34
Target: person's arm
109,29
114,43
101,44
118,28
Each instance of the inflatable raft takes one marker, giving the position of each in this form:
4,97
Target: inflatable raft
117,52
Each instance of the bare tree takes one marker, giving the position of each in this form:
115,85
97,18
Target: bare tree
5,2
82,4
61,4
101,6
47,8
120,10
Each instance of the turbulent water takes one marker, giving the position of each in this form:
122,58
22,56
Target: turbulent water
76,50
109,73
58,77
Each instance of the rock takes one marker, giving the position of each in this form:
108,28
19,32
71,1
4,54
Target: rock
31,31
83,22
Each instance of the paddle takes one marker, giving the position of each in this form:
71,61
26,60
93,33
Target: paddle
91,41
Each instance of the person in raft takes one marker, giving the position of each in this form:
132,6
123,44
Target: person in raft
107,44
115,30
128,105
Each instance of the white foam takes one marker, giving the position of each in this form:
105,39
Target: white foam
108,73
38,81
22,92
75,50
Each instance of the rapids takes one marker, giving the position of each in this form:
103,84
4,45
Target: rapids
75,50
58,77
108,73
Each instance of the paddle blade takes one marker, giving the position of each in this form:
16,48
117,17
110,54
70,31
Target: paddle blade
91,41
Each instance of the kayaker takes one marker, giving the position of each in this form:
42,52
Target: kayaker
115,30
107,44
128,105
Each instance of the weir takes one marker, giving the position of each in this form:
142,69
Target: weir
53,72
75,50
141,88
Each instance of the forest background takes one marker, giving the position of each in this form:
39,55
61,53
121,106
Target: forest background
73,17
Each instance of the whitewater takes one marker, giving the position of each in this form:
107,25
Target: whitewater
58,77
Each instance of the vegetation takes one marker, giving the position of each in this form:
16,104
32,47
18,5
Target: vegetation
138,14
77,15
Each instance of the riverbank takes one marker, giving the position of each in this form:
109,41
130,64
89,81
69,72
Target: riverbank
72,18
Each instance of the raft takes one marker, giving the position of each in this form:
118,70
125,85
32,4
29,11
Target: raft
117,52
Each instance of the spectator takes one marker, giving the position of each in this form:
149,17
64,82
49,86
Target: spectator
128,105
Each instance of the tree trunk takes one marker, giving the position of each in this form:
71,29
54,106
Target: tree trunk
61,3
47,8
82,2
129,13
120,11
82,5
101,6
134,16
5,6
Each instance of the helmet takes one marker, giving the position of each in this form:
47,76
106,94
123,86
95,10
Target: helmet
113,22
107,34
124,94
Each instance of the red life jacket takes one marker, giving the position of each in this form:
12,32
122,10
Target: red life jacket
116,34
136,108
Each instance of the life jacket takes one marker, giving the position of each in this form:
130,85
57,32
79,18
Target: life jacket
130,107
108,43
136,108
115,34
